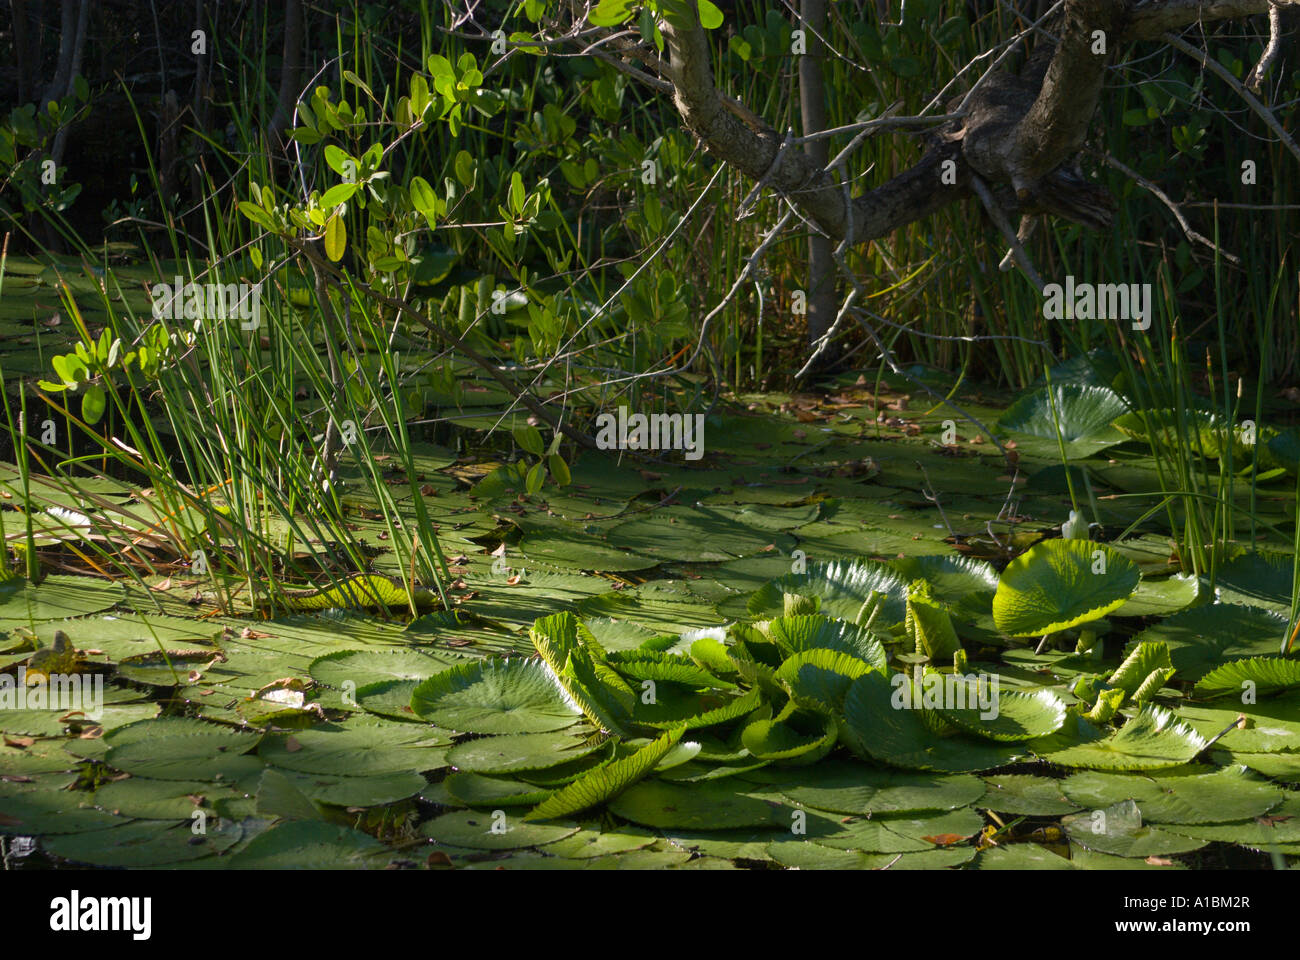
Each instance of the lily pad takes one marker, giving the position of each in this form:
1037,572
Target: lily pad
493,696
1060,584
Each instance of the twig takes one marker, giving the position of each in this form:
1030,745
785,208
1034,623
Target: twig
1256,78
1160,195
1209,63
1000,219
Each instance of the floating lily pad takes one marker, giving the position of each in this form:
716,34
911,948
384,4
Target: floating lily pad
145,843
182,749
1031,856
309,845
1179,798
1204,637
697,806
1119,830
493,696
855,788
518,752
1026,795
57,597
358,749
493,831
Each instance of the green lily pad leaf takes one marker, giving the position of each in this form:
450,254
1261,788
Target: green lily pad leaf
360,668
141,799
1058,584
495,696
145,843
1170,797
696,534
1257,675
42,812
1146,657
358,749
476,790
1020,715
843,587
805,736
810,855
1280,826
951,578
1154,738
711,805
604,782
1283,767
821,677
518,752
1204,637
874,728
1083,415
853,788
177,748
343,791
279,798
671,709
1258,579
1161,598
1031,856
815,632
494,831
1026,795
57,597
588,844
309,845
1119,831
640,665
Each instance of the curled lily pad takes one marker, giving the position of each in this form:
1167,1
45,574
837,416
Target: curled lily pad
815,632
1018,714
1060,584
604,782
1258,675
844,587
875,727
